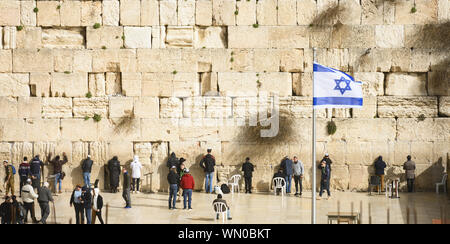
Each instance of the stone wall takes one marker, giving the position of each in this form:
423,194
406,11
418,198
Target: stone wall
142,68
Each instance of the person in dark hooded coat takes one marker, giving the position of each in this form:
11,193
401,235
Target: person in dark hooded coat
380,165
173,161
114,173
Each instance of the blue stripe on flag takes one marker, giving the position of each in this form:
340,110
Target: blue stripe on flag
321,68
317,101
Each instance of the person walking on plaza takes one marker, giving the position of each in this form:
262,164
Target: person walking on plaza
86,200
28,196
24,173
126,188
136,167
75,200
36,167
325,179
114,173
207,163
57,169
220,199
286,165
248,169
97,205
174,180
9,177
380,165
187,184
410,169
299,170
45,196
87,169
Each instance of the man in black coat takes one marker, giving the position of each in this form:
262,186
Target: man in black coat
248,169
114,173
380,165
173,161
126,188
86,200
87,168
36,167
6,210
76,201
207,163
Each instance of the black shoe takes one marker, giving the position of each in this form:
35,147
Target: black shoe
230,218
250,192
217,217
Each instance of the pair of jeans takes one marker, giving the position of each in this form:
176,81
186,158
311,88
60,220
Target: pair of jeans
288,179
58,180
36,182
324,185
410,185
29,207
209,176
135,184
187,195
127,197
88,212
87,179
173,195
45,211
298,181
248,184
79,213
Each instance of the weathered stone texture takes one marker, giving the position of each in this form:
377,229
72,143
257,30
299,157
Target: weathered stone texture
403,84
410,107
56,107
444,106
69,85
15,85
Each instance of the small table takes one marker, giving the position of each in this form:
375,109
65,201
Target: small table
343,217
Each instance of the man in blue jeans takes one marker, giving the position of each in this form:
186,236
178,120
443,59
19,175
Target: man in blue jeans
87,168
57,168
187,184
207,163
286,165
174,179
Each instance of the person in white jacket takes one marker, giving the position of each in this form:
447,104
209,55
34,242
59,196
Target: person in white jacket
28,196
136,167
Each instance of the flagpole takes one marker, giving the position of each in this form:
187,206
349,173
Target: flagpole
313,187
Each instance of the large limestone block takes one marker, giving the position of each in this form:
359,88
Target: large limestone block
186,12
194,107
5,61
160,151
138,37
359,176
248,37
306,11
354,36
169,84
12,129
166,60
288,37
9,13
171,107
70,13
411,107
69,85
203,13
372,12
443,11
48,13
82,61
9,37
237,84
291,60
105,36
444,106
40,84
78,129
116,129
426,12
91,13
389,36
276,83
302,84
97,84
210,37
159,130
241,60
269,60
144,152
21,150
369,109
146,107
15,85
439,83
9,107
358,153
56,107
120,107
406,84
111,12
180,36
223,12
287,12
37,129
63,60
114,60
29,37
335,58
62,38
130,11
420,60
149,13
350,13
297,107
113,84
266,12
246,12
89,106
218,107
437,129
27,15
131,84
27,60
29,107
168,12
373,83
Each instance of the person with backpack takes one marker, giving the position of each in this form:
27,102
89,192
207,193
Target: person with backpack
24,173
207,163
248,169
87,168
9,177
187,184
45,196
97,205
57,169
174,180
28,196
136,167
36,167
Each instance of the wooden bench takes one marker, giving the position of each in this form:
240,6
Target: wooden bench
343,217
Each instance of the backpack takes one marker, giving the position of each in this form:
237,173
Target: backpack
13,169
225,189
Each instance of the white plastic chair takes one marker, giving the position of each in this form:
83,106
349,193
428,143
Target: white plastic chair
443,183
234,182
279,182
220,208
392,185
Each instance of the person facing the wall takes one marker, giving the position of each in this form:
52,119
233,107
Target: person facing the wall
87,168
410,169
24,173
207,163
36,167
114,173
57,168
380,165
248,169
174,180
136,167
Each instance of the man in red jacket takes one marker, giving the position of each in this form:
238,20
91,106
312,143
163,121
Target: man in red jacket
187,184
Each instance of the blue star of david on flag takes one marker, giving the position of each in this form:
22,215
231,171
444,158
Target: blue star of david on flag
339,87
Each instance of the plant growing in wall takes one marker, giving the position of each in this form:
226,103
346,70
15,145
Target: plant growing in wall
19,28
255,25
88,95
96,25
421,117
86,118
331,128
35,10
58,7
97,117
174,72
413,9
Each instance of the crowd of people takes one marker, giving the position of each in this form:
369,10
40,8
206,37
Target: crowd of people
88,203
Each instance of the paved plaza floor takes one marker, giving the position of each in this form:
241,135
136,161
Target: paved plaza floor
263,208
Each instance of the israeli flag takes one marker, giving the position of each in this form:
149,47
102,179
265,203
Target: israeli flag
335,89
